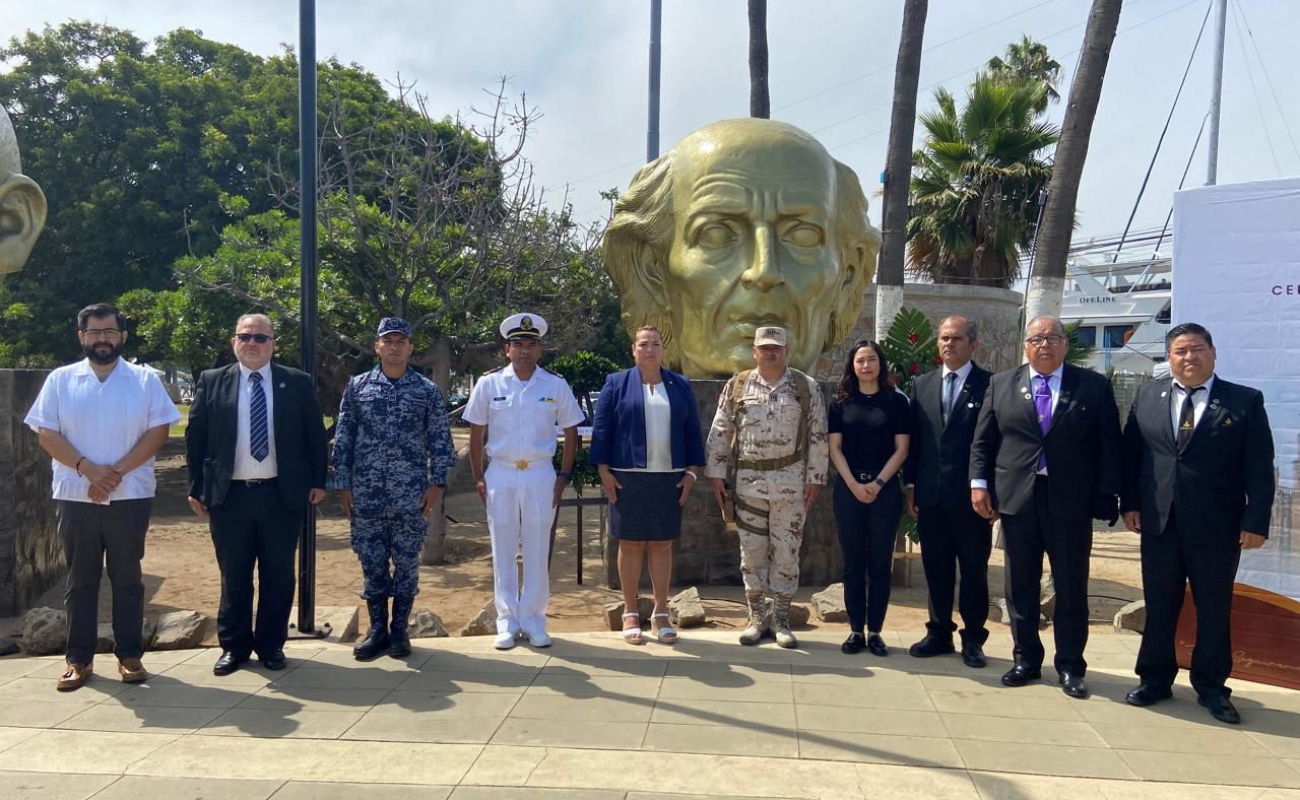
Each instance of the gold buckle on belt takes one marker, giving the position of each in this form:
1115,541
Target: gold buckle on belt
521,464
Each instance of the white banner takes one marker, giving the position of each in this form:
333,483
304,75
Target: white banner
1236,270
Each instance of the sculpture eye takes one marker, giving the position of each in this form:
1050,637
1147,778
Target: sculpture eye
715,235
803,235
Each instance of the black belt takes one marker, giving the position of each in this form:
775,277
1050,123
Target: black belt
252,481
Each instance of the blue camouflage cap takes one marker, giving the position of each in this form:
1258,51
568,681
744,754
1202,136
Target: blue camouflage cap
394,325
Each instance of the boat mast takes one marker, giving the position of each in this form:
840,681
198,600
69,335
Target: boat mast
1216,94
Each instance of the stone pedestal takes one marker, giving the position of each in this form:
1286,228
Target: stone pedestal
31,558
708,554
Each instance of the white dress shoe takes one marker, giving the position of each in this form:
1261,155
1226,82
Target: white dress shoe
504,641
540,639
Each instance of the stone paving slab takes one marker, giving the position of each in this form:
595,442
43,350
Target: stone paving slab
594,718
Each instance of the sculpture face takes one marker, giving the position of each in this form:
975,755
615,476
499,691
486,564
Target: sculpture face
745,223
22,204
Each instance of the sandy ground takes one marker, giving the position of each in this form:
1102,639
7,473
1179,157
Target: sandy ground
181,573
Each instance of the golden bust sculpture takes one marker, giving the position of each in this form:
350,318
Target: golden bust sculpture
746,222
22,203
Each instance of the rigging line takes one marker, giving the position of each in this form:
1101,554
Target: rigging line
1263,123
1264,69
1181,181
887,67
1145,178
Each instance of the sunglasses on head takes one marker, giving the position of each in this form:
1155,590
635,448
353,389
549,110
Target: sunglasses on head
260,338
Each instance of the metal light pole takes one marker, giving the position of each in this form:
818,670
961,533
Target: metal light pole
1216,94
307,287
652,132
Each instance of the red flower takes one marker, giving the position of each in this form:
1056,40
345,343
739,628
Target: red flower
938,360
913,338
916,368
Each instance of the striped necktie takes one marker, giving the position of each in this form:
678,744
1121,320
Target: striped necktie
258,441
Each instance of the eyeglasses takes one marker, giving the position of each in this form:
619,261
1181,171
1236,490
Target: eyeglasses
1039,341
260,338
102,333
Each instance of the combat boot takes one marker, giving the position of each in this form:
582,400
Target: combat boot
398,637
757,624
781,621
376,642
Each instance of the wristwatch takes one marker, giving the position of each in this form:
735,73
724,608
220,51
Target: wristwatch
564,475
879,483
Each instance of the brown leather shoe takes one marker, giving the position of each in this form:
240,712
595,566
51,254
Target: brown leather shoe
132,671
73,677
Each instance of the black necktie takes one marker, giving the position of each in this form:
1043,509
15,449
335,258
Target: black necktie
1187,417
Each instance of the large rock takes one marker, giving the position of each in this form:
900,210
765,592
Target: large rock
180,630
686,609
1132,617
1047,596
645,606
105,641
45,631
9,646
829,604
484,622
427,625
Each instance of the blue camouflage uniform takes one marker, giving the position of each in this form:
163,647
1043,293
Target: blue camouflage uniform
391,443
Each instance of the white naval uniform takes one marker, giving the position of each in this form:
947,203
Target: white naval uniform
521,419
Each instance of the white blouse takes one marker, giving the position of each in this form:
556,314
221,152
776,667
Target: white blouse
658,429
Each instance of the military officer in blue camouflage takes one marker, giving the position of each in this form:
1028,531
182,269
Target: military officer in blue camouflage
392,452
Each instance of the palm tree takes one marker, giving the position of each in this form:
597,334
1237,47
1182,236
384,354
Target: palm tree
898,166
975,183
1047,276
760,103
1027,60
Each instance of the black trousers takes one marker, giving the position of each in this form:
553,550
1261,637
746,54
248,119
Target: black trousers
1068,544
1168,562
91,534
251,530
867,533
952,538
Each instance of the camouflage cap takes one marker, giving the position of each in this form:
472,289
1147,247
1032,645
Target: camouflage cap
393,325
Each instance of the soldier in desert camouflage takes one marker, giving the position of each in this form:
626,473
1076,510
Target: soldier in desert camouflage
767,454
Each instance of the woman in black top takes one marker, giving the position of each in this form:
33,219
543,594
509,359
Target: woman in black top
868,439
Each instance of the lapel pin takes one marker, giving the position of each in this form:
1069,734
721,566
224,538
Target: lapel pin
281,384
970,405
1227,423
1214,402
1164,394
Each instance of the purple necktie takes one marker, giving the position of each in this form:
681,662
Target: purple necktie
1043,405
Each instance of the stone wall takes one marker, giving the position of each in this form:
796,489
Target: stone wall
996,313
708,553
31,559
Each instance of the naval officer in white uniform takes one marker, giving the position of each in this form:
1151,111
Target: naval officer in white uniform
514,413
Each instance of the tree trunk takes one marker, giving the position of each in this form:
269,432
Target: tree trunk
760,104
1047,275
438,361
898,168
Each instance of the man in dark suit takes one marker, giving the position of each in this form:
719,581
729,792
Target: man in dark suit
946,405
1046,459
1198,487
255,447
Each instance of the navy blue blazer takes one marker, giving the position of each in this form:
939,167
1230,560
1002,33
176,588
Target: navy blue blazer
618,431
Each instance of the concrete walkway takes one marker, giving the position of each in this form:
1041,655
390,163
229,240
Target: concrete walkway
592,718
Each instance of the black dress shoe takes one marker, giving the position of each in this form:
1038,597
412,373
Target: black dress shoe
273,661
1072,684
1221,708
854,644
228,663
972,655
931,646
1019,676
1146,694
876,645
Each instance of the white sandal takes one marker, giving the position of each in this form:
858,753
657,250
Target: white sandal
666,633
633,635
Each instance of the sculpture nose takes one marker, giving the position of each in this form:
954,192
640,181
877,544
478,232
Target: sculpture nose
764,271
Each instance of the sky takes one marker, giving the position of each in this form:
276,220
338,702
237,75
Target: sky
583,64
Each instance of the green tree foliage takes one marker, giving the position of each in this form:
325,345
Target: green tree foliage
1028,60
975,183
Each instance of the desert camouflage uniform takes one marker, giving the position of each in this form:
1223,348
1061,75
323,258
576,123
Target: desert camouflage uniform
392,443
769,429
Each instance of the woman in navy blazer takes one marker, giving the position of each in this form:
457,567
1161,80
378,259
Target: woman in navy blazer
647,443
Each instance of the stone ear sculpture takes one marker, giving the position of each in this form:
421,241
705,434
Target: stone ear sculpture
23,208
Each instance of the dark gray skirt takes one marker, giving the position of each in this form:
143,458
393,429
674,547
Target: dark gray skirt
647,509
